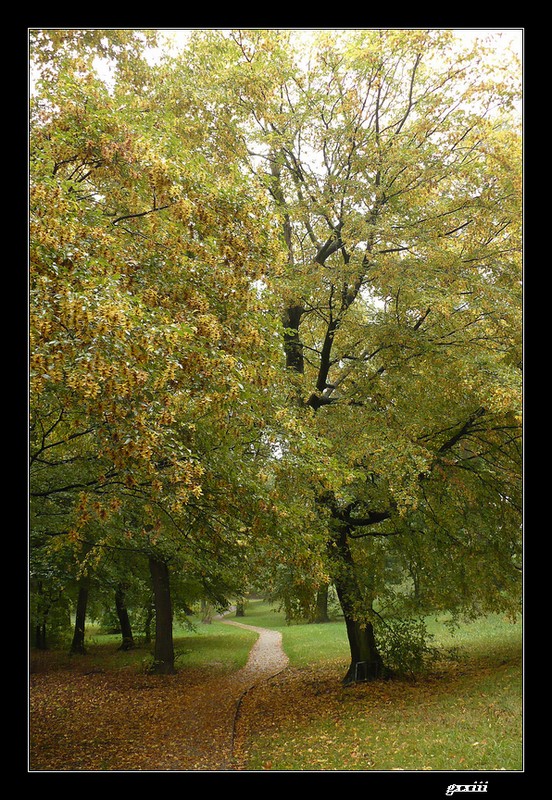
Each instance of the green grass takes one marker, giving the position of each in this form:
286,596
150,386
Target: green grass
465,715
215,646
304,644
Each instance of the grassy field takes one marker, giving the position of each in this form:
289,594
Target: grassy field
214,647
465,714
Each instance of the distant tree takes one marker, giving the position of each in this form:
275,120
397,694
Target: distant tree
123,617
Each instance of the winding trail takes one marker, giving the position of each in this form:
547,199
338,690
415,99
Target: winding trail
209,719
266,659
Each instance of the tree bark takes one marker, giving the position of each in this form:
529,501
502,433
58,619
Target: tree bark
366,661
147,624
77,645
124,620
40,636
42,615
164,647
321,607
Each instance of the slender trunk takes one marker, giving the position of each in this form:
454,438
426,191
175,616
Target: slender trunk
40,636
321,608
124,620
366,661
206,612
164,648
147,623
240,608
42,615
77,645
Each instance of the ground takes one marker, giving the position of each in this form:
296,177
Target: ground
98,721
463,715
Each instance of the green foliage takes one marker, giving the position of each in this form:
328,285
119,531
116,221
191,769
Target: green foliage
275,288
405,645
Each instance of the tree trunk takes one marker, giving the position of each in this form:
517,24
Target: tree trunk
40,636
124,620
240,608
164,648
206,612
42,615
321,607
147,623
77,645
366,661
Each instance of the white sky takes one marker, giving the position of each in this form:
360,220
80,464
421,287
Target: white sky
503,38
509,36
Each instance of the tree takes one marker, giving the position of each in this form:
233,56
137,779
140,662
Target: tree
393,162
149,416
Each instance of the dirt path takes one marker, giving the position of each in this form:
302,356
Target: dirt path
266,659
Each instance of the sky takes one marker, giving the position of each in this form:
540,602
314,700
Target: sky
509,36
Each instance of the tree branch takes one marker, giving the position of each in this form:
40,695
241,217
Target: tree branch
142,213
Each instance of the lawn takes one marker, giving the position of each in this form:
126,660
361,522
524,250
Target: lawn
213,647
465,714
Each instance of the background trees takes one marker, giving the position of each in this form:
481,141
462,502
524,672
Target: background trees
276,317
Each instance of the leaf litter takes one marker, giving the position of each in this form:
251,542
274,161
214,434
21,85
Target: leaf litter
204,720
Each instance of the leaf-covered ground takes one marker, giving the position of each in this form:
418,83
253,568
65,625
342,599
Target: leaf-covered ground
462,718
298,719
118,721
101,719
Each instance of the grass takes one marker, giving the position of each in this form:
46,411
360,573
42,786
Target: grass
216,647
466,714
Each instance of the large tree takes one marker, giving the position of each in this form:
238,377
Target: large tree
149,415
393,162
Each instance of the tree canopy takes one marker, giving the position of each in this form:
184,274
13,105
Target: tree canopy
276,315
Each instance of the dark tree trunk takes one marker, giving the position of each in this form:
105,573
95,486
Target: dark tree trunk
124,620
147,623
292,343
77,645
164,648
40,636
366,661
321,607
240,609
42,615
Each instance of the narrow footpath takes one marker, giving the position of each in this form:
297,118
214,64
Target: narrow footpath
211,722
266,659
187,722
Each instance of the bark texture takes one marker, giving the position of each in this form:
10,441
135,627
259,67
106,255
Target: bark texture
164,647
